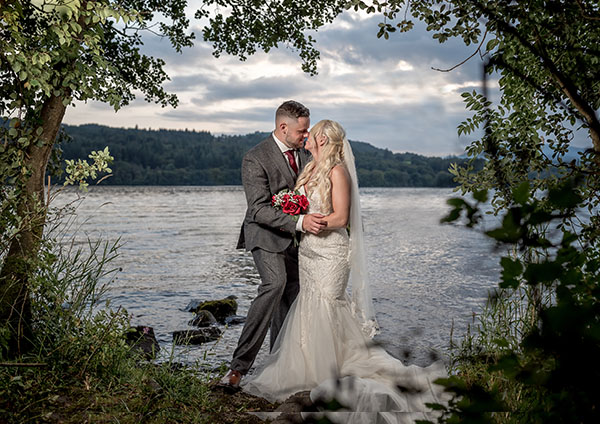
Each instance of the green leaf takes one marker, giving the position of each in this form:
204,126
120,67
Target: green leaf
452,216
457,202
511,269
481,196
509,232
565,196
521,193
492,44
545,272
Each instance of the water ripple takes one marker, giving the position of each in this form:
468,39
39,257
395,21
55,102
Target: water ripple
179,244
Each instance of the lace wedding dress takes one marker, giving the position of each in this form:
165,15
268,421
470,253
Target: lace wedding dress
321,346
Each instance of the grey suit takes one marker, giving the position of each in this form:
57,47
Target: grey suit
268,234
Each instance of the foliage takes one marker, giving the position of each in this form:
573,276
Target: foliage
80,171
545,364
539,333
248,25
53,52
169,157
80,368
545,57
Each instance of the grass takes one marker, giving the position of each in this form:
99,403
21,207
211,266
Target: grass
499,329
147,393
84,370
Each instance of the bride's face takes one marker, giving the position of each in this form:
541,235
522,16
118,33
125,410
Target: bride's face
312,146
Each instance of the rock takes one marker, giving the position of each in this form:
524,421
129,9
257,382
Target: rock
290,410
153,386
142,339
203,319
192,305
194,337
235,319
220,309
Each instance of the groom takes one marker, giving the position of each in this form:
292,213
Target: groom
269,167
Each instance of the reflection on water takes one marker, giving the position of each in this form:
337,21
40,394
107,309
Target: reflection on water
179,244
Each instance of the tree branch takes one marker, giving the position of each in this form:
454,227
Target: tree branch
22,364
564,83
583,15
478,50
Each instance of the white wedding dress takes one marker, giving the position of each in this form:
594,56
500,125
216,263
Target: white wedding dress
322,348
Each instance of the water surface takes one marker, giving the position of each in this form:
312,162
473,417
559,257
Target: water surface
179,244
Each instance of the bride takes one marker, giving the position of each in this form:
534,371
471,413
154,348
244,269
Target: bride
324,344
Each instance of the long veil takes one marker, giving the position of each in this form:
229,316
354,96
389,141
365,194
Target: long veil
362,301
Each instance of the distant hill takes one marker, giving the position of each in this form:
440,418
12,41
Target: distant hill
175,157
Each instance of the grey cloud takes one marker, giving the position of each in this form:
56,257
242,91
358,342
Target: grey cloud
426,129
158,47
250,114
359,45
260,88
182,83
355,46
427,126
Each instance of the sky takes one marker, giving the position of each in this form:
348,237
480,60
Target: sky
383,92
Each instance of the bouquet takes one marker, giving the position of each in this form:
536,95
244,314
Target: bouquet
292,203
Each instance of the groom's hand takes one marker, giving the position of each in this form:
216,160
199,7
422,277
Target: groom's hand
314,223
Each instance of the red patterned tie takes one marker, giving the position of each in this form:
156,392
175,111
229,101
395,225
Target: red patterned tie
292,160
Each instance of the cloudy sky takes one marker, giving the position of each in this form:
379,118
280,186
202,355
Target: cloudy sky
383,92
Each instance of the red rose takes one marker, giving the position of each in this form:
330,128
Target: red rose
273,199
302,202
285,199
291,208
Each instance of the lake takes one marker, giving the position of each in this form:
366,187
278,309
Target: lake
179,244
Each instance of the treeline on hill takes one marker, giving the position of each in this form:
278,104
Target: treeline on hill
176,157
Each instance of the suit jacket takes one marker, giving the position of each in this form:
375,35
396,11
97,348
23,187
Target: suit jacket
265,172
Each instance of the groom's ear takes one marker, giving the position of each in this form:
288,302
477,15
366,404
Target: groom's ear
283,127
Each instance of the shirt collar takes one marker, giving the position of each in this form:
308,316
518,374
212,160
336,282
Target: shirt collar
280,144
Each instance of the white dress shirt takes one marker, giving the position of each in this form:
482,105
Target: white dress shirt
284,149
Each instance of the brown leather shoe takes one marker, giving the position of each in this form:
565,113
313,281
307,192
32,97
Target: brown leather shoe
231,381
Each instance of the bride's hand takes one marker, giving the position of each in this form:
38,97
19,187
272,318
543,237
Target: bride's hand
314,223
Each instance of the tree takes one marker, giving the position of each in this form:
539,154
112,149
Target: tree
53,52
545,57
544,53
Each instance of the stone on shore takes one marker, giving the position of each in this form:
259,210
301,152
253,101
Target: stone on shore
142,339
290,410
203,319
195,337
192,305
235,319
221,309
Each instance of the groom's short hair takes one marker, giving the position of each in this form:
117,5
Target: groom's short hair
291,109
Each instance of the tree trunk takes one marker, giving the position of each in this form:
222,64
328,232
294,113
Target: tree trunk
21,261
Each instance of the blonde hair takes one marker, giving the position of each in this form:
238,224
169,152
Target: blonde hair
316,174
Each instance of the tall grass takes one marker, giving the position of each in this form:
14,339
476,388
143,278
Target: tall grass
499,329
82,369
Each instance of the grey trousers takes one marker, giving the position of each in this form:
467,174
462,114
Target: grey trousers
276,293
